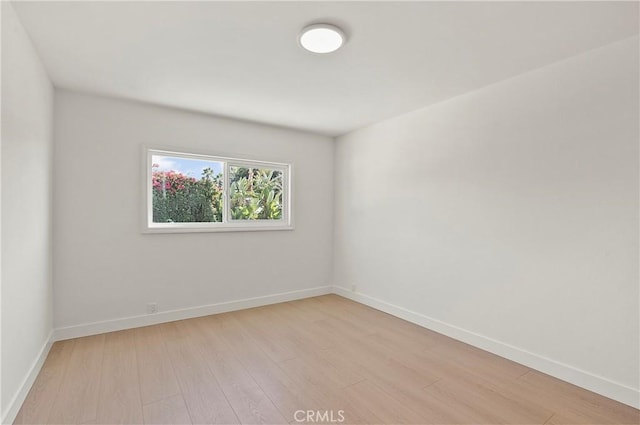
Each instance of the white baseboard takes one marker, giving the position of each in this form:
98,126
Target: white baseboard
581,378
186,313
16,402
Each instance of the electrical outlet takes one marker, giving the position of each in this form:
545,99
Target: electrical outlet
152,308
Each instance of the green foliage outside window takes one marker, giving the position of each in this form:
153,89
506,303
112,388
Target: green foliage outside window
181,199
255,194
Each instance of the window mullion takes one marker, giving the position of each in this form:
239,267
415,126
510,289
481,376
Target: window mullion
227,189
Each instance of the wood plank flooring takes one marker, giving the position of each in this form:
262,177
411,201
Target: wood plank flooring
270,365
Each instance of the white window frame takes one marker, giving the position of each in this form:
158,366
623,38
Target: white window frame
227,224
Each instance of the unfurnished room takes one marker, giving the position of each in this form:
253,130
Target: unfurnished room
314,212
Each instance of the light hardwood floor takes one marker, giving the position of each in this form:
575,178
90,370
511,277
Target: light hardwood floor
324,354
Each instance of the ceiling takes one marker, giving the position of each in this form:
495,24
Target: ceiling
242,60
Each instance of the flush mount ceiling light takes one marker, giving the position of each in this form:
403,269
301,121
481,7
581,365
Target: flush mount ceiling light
322,38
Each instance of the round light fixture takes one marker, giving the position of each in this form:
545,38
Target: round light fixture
322,38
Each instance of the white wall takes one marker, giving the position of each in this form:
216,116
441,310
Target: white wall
510,212
27,116
106,269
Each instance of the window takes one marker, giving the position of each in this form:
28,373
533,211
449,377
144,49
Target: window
193,193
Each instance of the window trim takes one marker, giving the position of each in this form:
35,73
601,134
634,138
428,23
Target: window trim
227,225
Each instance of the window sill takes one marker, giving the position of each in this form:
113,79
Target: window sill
208,229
